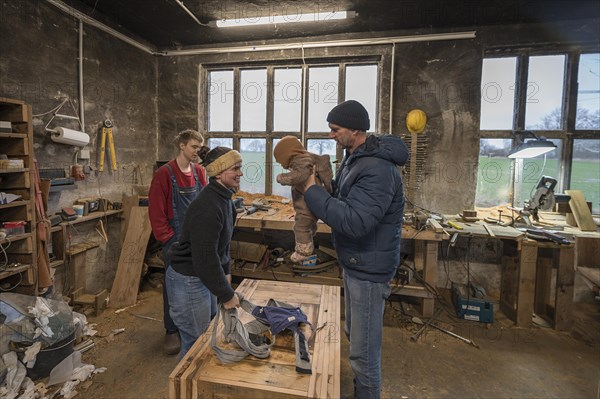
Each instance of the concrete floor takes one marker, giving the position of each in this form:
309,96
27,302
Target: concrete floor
511,362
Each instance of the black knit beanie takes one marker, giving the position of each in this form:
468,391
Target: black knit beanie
351,115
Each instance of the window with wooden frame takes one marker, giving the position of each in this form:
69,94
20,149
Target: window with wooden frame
554,95
250,108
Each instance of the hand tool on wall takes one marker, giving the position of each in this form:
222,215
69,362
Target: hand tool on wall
107,131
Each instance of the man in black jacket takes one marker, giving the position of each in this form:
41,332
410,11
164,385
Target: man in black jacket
365,214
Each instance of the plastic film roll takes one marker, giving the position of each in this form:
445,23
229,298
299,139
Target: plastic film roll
72,137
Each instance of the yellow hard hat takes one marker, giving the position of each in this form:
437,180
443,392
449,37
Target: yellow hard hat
416,121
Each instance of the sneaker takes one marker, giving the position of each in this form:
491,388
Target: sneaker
172,344
297,258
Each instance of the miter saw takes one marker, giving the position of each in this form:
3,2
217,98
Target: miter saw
542,199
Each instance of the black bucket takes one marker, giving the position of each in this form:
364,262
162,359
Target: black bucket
49,357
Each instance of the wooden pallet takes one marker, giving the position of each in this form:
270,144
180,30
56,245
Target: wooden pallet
201,375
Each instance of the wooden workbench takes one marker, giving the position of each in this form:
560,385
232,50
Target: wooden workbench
201,375
529,283
280,217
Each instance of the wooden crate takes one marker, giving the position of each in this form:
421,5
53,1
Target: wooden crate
201,375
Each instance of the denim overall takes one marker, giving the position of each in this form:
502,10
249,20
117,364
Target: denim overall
182,197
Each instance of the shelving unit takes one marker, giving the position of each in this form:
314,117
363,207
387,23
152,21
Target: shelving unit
18,257
58,239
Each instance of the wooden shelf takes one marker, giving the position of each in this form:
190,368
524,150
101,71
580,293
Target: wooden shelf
57,263
14,204
92,216
15,238
56,189
20,249
81,247
20,170
13,135
13,271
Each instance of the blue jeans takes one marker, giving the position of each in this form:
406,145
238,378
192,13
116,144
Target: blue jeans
191,306
365,303
170,326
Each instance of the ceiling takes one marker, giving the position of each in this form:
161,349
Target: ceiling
165,24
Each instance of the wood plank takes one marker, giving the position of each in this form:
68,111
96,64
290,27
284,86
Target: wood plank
565,281
587,251
81,247
429,274
591,273
129,201
508,282
582,213
543,285
526,276
127,280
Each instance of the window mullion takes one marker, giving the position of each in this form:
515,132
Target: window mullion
521,83
570,112
237,96
269,133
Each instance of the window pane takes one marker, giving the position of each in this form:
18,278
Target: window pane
361,85
322,147
585,174
220,101
588,92
498,93
253,100
288,100
278,189
253,153
545,92
529,171
220,142
322,96
493,173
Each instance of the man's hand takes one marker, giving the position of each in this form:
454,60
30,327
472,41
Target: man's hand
232,303
228,277
311,181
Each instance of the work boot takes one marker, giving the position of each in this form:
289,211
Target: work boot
172,344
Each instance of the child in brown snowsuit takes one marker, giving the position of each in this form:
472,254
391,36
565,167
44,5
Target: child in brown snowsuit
292,155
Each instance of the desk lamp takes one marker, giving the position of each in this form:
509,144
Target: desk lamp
530,148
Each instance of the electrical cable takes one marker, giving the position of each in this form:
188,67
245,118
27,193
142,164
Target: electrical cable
14,286
52,110
446,263
3,249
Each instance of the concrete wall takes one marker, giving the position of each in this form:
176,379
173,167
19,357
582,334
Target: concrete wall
39,64
39,52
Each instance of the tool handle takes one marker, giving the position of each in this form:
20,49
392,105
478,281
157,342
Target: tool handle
102,150
418,333
113,155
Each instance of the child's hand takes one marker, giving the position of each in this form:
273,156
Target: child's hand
278,178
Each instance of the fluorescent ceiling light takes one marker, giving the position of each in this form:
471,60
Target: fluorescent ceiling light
530,148
282,19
